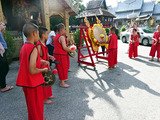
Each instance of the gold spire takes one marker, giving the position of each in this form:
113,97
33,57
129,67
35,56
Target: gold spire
98,21
86,22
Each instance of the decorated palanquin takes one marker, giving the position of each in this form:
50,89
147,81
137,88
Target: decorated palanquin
94,36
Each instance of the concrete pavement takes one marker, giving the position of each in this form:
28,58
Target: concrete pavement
129,92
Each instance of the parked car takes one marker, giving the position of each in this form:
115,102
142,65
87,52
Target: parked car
146,36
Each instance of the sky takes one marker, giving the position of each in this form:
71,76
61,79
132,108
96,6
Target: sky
109,2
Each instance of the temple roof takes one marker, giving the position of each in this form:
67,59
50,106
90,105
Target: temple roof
146,13
144,17
129,5
148,6
96,4
112,10
96,8
140,7
157,17
123,15
157,9
95,12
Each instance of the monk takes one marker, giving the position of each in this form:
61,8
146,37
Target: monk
43,50
30,73
60,53
112,49
156,45
133,44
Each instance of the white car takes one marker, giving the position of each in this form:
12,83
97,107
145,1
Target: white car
146,36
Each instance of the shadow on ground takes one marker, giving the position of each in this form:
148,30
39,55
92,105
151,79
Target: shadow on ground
120,81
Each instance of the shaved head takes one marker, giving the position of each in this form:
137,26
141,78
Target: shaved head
60,26
29,28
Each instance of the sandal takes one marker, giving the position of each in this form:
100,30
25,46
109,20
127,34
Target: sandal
7,88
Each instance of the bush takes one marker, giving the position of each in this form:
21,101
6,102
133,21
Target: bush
117,33
123,28
76,38
55,21
10,43
107,30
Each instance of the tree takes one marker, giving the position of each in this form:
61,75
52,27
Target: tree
123,28
158,2
55,21
73,20
76,38
81,6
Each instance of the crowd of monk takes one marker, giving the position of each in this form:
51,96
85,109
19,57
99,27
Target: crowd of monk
37,59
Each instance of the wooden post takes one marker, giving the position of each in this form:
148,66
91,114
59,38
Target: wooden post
1,13
66,21
45,14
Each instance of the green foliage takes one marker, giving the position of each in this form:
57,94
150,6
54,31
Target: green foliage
107,30
10,43
76,38
123,28
73,20
158,2
117,33
55,21
81,6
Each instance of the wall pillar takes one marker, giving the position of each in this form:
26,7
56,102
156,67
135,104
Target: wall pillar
66,21
1,13
45,14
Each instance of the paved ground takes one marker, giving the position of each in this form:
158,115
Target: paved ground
130,92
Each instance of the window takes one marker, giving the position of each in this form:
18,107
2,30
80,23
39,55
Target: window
146,30
102,18
82,20
109,19
92,19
